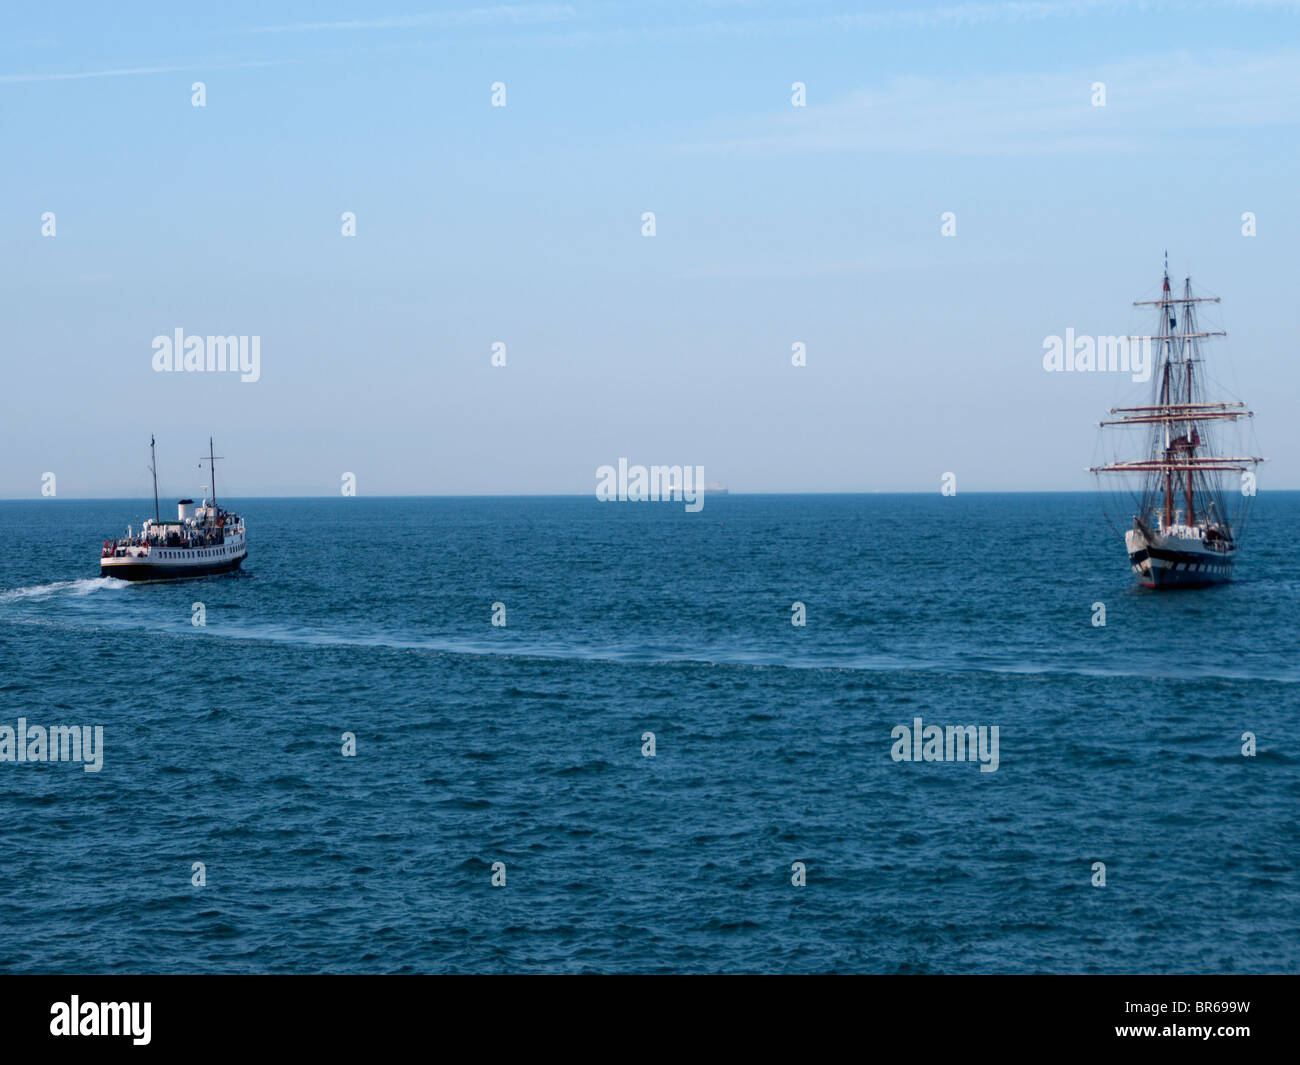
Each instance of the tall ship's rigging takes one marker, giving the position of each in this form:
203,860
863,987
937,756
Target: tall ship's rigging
203,540
1191,498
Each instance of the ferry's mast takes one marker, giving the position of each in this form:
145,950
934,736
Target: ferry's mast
153,468
212,466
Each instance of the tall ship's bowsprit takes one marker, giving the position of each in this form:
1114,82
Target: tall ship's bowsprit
203,540
1190,498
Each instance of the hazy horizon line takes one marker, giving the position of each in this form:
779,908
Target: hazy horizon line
592,495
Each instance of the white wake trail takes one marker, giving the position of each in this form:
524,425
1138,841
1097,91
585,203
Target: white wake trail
84,586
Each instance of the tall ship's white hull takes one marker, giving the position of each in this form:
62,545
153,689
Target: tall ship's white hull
1178,560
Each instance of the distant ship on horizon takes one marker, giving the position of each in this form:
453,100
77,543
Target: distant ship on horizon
713,488
1189,514
204,540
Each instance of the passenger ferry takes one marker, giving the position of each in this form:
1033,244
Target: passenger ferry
204,540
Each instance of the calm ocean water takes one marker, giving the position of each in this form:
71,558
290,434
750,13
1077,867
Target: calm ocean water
523,744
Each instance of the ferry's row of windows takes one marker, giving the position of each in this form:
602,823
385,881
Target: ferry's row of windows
192,554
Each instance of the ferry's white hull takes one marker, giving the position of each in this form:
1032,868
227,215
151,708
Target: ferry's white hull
174,563
1172,561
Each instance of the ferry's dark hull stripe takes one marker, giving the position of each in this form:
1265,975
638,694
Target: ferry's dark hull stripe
152,571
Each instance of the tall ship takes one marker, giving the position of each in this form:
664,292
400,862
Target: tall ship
1190,498
204,540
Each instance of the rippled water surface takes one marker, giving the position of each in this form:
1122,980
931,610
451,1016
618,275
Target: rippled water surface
522,744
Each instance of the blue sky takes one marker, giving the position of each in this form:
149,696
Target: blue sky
775,225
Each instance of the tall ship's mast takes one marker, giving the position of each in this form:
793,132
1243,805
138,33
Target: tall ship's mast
1191,498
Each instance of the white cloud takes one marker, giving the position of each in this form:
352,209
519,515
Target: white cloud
480,16
1149,101
126,72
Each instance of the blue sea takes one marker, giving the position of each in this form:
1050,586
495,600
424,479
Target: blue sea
524,743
